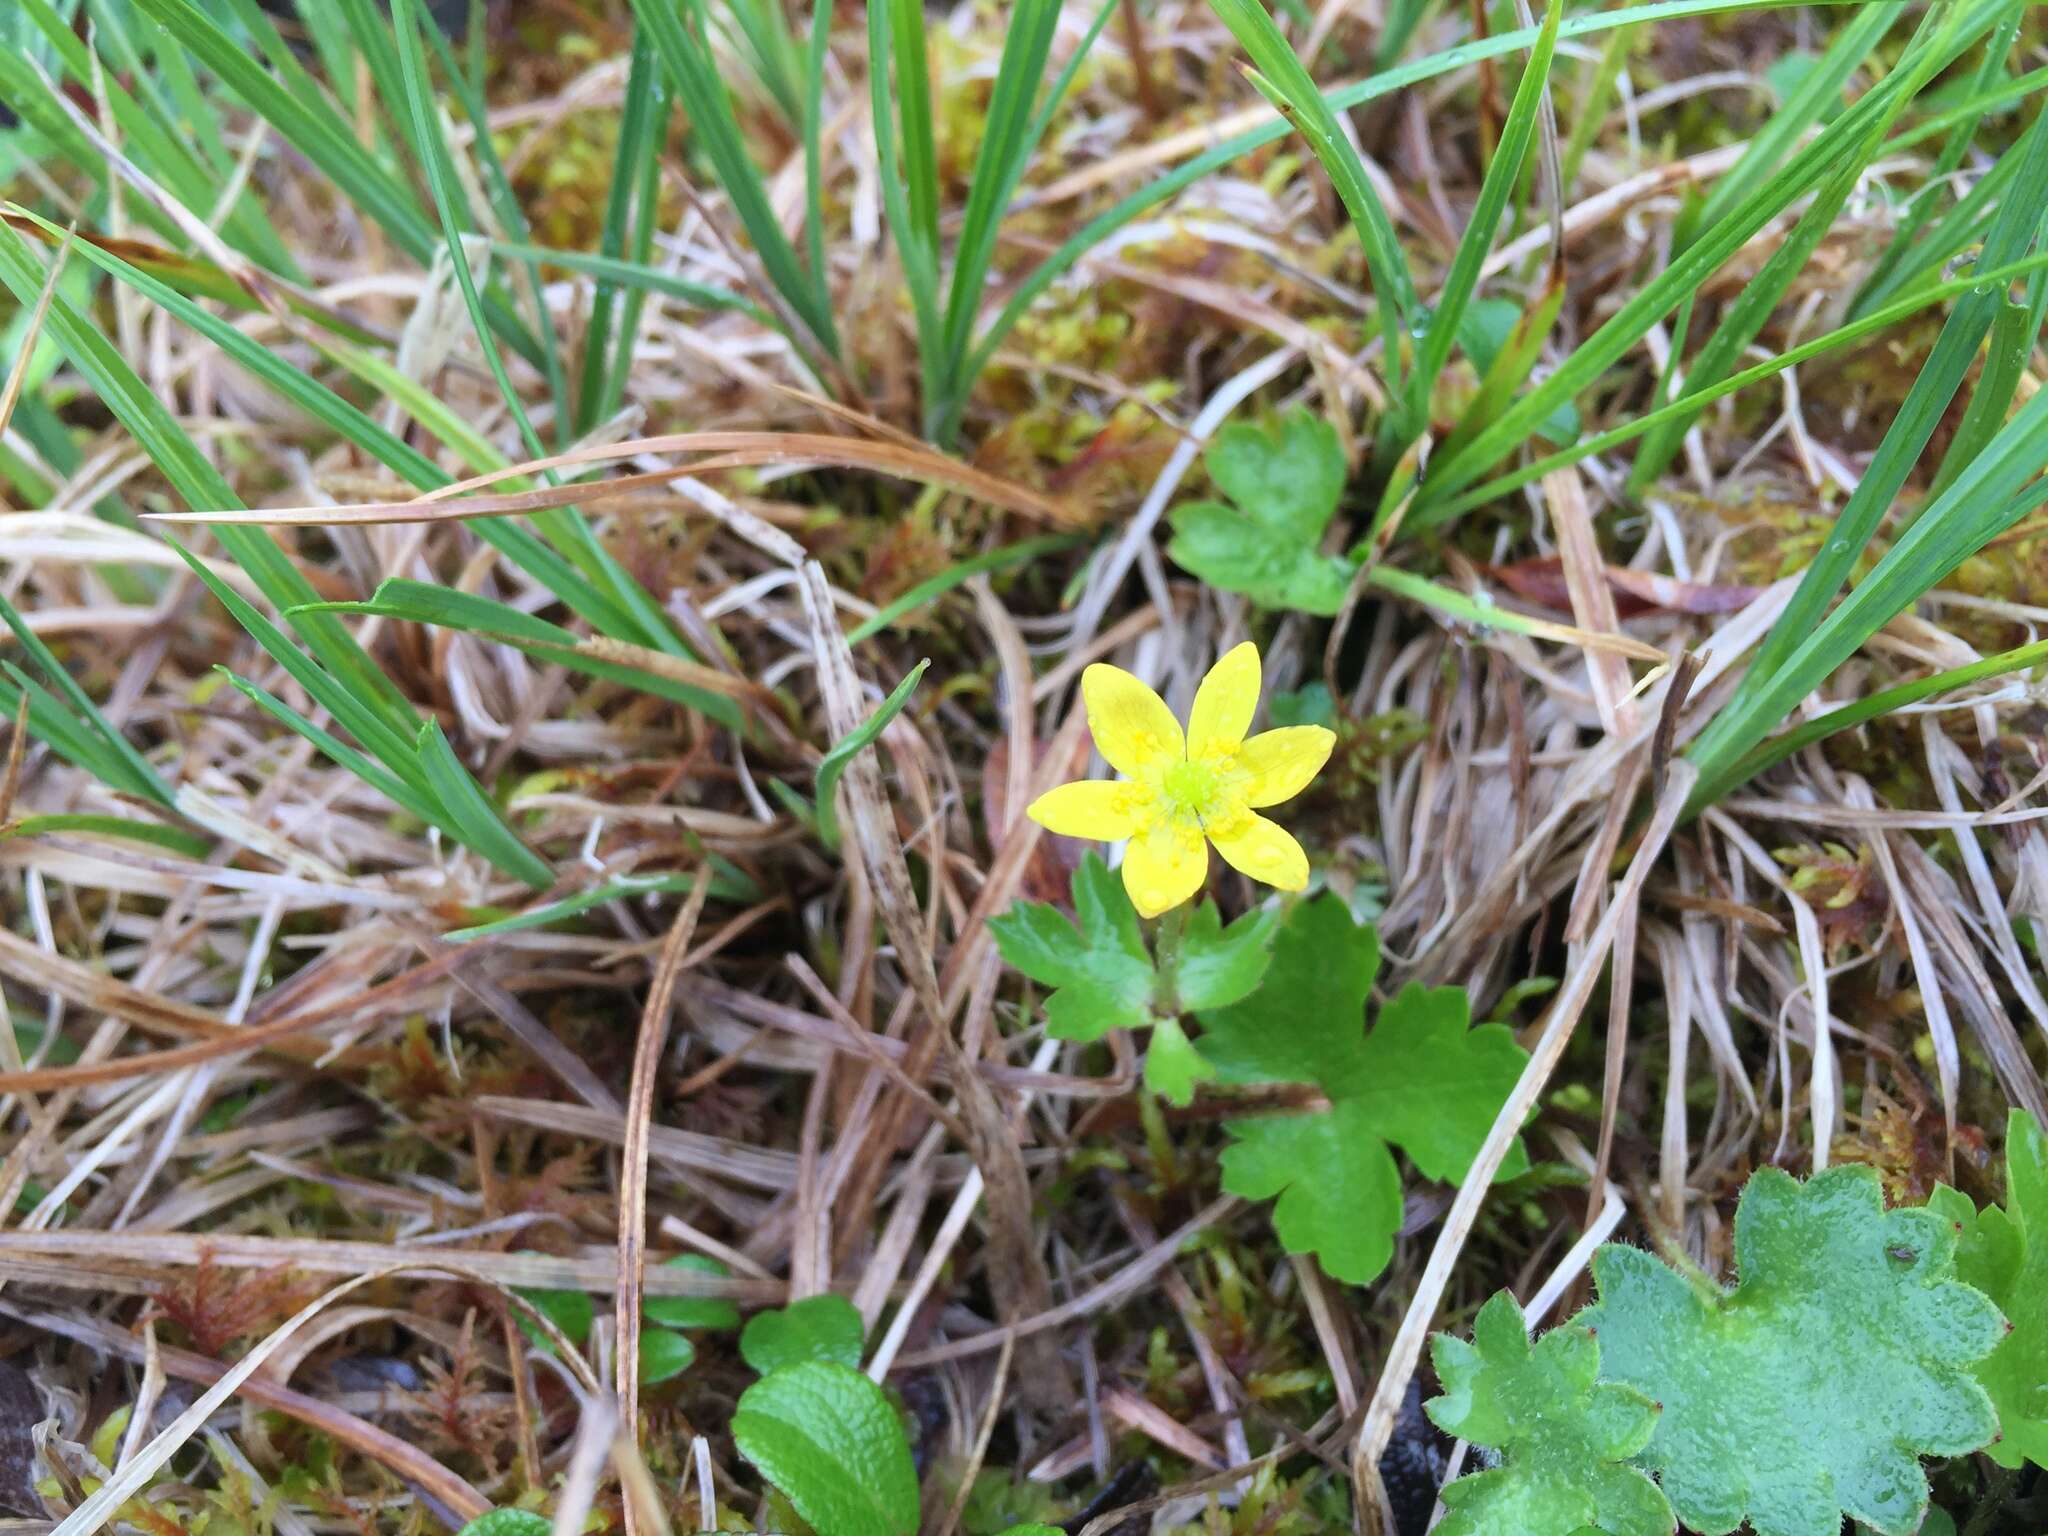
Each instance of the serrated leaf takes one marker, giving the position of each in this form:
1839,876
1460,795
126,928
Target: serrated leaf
1100,970
1219,965
692,1311
826,1436
1104,977
1812,1388
664,1355
1422,1078
2004,1253
1564,1437
816,1328
507,1522
1284,485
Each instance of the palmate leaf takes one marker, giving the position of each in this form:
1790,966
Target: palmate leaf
1422,1078
2004,1253
1812,1388
1103,976
1284,485
1564,1438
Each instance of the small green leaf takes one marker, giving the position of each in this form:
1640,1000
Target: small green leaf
843,751
1285,485
570,1311
507,1522
692,1311
663,1355
1103,977
826,1436
1564,1438
1812,1388
816,1328
1101,973
1218,965
1484,331
2004,1254
1307,705
1172,1064
1421,1078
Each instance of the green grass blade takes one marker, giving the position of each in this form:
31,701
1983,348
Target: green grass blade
1821,158
287,97
728,883
1999,487
68,736
477,820
811,125
1162,189
1962,135
1692,401
174,839
1517,134
1770,753
1822,87
419,602
450,204
909,52
701,89
2005,361
641,276
158,148
412,799
763,31
384,742
1752,308
998,169
194,479
511,221
915,234
637,148
1283,79
937,586
1755,706
137,775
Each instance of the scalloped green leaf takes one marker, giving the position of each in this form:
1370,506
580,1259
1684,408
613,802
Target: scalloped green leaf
1563,1437
2004,1253
1812,1389
1284,484
816,1328
1097,965
1103,976
1422,1079
826,1436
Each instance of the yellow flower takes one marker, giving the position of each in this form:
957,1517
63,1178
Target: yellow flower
1179,790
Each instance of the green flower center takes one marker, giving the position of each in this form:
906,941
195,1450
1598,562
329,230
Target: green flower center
1191,788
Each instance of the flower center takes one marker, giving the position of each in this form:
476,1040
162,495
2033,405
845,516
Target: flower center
1190,788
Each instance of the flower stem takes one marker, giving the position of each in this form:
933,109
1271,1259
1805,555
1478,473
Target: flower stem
1166,947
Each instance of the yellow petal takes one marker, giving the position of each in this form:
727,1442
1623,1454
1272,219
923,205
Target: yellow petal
1165,866
1225,702
1264,850
1094,809
1132,727
1279,764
